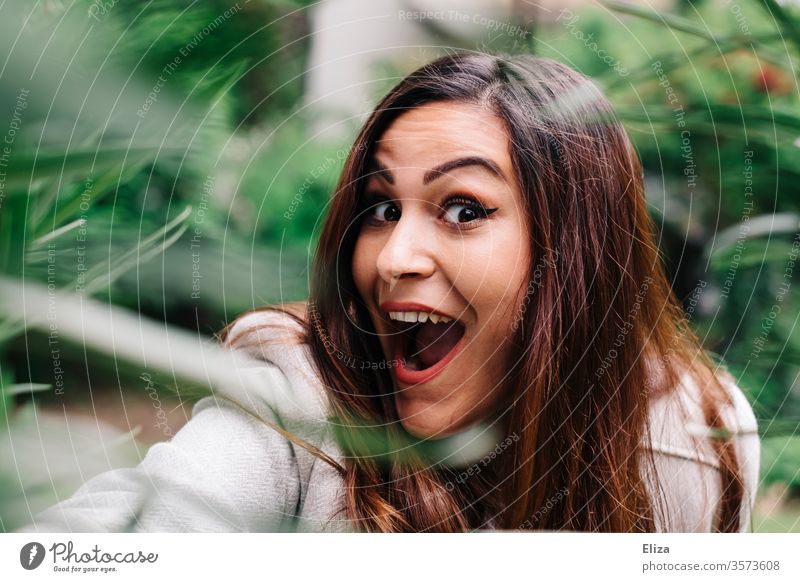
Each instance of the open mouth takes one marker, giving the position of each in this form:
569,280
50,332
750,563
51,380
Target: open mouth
423,349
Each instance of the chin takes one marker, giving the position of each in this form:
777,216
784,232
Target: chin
424,425
420,431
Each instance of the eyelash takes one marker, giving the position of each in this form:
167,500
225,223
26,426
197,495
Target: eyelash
373,200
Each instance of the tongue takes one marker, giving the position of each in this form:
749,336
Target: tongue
433,341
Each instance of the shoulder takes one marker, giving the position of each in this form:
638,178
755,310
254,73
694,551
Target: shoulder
684,453
274,341
740,414
278,371
677,418
256,329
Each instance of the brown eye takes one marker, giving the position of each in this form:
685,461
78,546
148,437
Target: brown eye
461,213
385,211
461,210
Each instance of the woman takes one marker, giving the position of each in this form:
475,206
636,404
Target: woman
487,262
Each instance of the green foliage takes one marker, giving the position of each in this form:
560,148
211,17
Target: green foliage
780,462
78,157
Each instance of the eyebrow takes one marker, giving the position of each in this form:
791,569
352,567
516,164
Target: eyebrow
444,168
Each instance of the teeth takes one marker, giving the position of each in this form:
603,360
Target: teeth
415,316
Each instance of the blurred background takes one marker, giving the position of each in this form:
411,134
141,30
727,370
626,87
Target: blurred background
165,165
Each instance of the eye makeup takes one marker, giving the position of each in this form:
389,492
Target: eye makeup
378,210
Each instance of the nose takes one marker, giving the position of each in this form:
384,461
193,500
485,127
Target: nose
408,251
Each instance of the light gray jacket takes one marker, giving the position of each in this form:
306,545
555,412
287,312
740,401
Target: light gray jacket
227,471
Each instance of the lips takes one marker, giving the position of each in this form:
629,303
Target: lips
422,349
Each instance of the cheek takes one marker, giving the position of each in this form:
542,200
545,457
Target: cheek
364,266
511,259
516,265
492,273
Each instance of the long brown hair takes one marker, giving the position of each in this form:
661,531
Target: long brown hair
600,336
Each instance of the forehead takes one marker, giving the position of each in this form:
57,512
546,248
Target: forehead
437,132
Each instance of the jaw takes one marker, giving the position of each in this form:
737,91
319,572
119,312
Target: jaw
423,419
435,420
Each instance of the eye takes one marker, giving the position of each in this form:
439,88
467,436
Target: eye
460,210
382,211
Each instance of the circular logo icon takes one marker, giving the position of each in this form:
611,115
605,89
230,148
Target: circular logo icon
31,555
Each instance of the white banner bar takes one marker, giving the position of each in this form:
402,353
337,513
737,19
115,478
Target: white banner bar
400,557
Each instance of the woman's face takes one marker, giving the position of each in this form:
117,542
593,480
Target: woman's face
443,233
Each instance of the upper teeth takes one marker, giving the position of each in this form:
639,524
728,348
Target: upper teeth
414,316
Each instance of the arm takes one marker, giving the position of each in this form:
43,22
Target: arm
223,471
